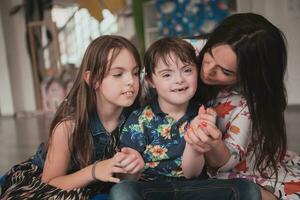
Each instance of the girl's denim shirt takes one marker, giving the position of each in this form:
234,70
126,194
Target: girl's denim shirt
105,144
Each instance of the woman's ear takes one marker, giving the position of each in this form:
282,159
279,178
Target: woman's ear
149,82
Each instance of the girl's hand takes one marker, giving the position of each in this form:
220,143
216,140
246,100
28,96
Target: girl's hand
132,162
105,170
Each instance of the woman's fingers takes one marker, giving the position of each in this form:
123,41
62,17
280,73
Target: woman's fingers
211,130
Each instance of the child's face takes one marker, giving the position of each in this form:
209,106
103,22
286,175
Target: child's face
120,85
175,83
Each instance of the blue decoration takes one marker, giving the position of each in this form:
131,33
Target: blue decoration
190,17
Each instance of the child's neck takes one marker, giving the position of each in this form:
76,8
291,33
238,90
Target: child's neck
175,111
109,117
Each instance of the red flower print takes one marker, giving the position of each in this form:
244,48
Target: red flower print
242,166
292,187
224,109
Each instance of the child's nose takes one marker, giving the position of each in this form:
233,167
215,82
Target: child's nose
179,77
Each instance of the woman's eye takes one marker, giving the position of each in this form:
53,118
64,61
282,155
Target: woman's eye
226,73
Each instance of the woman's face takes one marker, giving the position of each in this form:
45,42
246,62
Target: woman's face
219,66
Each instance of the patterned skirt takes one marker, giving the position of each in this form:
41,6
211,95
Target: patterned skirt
23,181
288,185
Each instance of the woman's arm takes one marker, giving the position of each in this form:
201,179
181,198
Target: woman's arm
225,151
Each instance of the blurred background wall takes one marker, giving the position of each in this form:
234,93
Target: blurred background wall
25,82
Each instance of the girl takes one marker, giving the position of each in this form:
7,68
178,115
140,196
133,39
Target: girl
242,76
80,157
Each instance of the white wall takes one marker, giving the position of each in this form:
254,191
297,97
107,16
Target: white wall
278,12
18,61
6,103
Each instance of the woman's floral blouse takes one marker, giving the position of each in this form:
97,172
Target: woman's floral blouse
235,124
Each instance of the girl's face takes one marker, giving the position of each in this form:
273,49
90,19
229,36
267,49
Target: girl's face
120,85
175,83
219,66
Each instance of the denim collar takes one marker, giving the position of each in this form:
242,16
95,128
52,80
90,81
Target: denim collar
191,111
96,126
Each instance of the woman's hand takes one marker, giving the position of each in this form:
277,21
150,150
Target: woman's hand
202,134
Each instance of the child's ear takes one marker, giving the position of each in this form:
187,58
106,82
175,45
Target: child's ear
86,76
149,82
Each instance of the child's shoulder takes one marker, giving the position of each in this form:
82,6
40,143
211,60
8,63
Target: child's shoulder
66,127
145,110
141,110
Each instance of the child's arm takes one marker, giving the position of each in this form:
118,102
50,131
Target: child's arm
206,138
192,162
58,158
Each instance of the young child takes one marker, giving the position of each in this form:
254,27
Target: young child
156,131
84,134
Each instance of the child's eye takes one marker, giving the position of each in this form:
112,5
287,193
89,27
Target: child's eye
117,75
136,73
166,75
188,70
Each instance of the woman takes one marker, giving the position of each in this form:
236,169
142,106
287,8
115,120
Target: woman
242,77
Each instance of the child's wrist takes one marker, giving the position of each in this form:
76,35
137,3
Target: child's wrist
189,147
94,171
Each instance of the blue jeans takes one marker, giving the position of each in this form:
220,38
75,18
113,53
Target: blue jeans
208,189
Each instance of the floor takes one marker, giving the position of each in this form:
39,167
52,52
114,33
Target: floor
19,137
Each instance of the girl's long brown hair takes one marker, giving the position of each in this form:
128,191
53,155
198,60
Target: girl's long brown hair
81,99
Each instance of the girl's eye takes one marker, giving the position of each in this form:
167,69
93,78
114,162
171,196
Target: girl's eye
117,75
136,73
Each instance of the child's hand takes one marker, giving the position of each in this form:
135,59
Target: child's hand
203,135
105,170
132,162
208,115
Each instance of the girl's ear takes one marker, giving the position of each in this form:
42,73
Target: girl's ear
86,77
149,82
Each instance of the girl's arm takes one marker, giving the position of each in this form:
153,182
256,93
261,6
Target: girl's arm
133,143
192,162
58,158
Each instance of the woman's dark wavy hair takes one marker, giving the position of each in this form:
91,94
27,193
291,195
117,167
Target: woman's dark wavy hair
81,99
261,53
